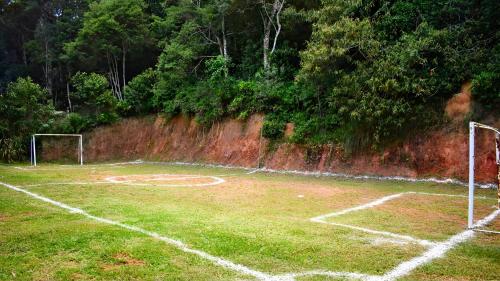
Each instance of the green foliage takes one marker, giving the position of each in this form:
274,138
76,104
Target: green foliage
383,70
113,27
486,84
71,124
273,128
12,149
172,66
244,102
361,73
96,100
23,111
89,86
217,68
139,92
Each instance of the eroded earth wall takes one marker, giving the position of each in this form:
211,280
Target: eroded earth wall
442,153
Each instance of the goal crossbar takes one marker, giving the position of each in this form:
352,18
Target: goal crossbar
472,137
33,145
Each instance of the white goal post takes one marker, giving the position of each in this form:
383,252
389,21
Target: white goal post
33,145
472,137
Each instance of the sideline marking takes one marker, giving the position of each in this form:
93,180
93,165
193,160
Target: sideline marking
178,244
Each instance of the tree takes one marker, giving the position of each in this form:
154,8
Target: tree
23,111
18,20
115,28
382,68
270,14
139,92
94,96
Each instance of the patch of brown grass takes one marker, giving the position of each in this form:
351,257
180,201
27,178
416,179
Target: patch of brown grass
121,260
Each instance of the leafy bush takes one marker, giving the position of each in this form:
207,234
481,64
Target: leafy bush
139,92
89,86
486,84
12,149
97,103
72,123
24,110
244,101
273,128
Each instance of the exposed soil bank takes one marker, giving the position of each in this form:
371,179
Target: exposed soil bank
441,153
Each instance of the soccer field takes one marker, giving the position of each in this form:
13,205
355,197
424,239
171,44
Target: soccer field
180,222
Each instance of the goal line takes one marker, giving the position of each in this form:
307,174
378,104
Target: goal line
33,145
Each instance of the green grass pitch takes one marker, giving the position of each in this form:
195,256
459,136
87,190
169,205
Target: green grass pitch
258,223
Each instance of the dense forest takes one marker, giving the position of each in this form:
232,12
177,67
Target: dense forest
357,73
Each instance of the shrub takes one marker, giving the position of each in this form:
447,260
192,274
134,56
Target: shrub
89,86
72,123
486,84
139,92
24,110
273,128
96,102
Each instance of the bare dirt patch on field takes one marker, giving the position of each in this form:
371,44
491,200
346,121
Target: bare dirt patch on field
79,276
13,217
164,180
121,260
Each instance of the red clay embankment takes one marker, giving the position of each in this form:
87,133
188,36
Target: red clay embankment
441,153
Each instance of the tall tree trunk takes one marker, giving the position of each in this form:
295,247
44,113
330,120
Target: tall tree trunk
224,39
48,72
267,34
268,19
68,96
124,57
278,23
114,79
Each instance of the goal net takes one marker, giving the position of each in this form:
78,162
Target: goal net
35,137
475,129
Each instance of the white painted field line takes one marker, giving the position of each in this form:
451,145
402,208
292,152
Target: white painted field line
112,181
67,183
448,195
62,167
115,180
435,252
372,204
58,168
423,242
176,243
436,249
295,172
380,201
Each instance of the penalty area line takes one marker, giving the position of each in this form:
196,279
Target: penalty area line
436,252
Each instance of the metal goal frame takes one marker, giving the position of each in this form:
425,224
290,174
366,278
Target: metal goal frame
33,145
472,137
